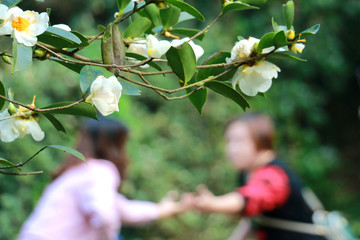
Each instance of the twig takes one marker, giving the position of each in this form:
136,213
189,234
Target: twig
21,174
206,28
28,160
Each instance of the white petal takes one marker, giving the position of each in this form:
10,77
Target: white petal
267,69
24,38
267,50
156,48
15,12
299,47
7,133
101,106
62,26
35,130
42,23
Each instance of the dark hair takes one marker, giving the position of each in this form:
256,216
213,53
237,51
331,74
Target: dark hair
261,129
103,139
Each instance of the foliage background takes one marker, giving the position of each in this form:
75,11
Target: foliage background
314,104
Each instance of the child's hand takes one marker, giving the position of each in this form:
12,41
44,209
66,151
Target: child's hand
170,205
204,199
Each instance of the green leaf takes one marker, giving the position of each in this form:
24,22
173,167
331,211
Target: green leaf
227,91
101,28
187,32
187,8
128,89
61,38
182,61
184,16
2,93
169,16
81,109
288,13
280,39
198,98
122,5
286,56
275,25
87,76
219,57
237,6
137,27
72,66
22,56
10,3
6,163
68,150
310,31
153,13
266,41
1,21
56,123
83,39
141,58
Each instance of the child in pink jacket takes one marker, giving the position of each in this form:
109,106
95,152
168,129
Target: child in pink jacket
83,203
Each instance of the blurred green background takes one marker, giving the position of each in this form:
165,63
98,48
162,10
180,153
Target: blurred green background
314,105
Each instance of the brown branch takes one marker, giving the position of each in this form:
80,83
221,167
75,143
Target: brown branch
28,160
207,28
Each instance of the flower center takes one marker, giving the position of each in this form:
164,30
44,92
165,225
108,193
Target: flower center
21,23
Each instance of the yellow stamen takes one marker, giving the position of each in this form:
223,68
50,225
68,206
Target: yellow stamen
21,23
301,40
33,102
167,34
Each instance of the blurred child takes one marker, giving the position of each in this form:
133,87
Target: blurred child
268,187
83,203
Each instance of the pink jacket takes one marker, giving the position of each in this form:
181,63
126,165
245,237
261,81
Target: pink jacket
83,204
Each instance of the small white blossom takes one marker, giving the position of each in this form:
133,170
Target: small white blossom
256,78
242,50
156,48
24,26
297,47
62,26
18,127
105,94
198,50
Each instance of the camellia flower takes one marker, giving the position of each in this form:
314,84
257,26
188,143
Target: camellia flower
198,50
138,47
24,26
242,50
105,94
156,48
13,128
62,26
255,78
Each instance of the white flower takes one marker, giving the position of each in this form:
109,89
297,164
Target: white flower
138,47
297,47
156,48
256,78
5,27
105,94
24,26
242,50
62,26
198,50
18,127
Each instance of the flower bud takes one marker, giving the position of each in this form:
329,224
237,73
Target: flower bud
290,35
118,45
117,15
40,52
162,5
12,109
6,59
